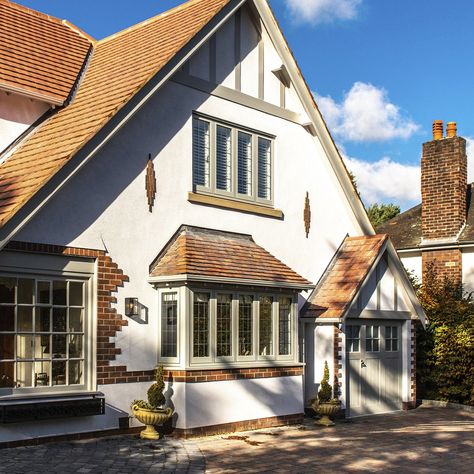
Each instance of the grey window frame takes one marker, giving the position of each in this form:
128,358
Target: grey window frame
162,358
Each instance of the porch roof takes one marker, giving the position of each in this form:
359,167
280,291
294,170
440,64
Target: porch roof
222,256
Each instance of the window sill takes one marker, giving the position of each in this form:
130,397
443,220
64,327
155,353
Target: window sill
240,206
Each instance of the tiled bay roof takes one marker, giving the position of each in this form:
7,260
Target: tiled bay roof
119,67
343,278
217,254
40,56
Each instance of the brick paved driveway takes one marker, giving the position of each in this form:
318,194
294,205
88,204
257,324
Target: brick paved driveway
424,440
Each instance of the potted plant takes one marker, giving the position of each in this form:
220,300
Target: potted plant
324,403
151,413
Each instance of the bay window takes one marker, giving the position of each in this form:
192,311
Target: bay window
232,161
169,325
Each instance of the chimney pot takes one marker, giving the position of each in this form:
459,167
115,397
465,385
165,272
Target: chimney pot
451,129
437,130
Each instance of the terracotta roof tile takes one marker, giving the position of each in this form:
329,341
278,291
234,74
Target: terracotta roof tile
39,55
343,278
119,67
210,253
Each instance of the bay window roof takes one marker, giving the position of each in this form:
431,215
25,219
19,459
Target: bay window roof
200,254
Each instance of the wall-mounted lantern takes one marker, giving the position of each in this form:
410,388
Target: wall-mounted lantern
131,307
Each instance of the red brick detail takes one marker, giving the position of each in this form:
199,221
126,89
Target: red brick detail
246,425
443,187
337,344
219,375
412,403
109,278
445,262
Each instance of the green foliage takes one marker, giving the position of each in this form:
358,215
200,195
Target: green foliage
445,350
325,389
156,398
380,213
354,182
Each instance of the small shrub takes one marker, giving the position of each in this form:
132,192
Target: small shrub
156,399
325,389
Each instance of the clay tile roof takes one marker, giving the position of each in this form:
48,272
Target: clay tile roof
344,276
40,56
119,67
194,251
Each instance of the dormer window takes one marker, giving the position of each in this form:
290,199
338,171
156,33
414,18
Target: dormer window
232,161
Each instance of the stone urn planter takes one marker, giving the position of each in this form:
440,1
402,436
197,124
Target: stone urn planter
151,418
326,409
152,413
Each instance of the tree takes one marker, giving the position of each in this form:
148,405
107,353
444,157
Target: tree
445,349
380,213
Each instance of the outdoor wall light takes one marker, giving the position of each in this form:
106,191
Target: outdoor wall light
131,307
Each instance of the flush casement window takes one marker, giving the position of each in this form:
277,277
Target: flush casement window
233,328
43,333
232,161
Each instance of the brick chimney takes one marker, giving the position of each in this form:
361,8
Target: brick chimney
443,196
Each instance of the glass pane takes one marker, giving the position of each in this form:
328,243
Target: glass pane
284,325
7,318
76,293
42,373
7,346
224,325
264,168
59,372
7,290
75,320
24,374
59,319
60,293
42,347
75,346
245,326
59,346
201,153
24,346
25,291
25,318
75,372
42,319
244,163
201,325
7,373
169,325
266,326
43,292
223,158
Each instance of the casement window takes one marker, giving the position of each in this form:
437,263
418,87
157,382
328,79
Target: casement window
372,339
353,338
43,333
169,325
241,328
391,338
232,161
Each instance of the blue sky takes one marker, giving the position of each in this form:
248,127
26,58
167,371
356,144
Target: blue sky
381,70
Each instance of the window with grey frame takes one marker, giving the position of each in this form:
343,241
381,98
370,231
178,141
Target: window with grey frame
265,326
284,326
42,332
231,161
224,326
169,325
201,325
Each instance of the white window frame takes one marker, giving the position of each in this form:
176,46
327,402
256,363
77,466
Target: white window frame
233,193
178,293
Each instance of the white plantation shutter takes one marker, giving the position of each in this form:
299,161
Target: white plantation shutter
244,163
223,158
264,168
201,153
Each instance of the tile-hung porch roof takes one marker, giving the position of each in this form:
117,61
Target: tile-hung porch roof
195,253
344,276
119,67
40,56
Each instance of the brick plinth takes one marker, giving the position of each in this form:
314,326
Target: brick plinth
446,263
443,188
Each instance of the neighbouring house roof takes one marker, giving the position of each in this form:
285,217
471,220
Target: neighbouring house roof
119,67
226,256
40,56
405,229
345,275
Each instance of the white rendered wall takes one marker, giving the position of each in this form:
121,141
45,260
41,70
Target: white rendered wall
324,352
468,269
412,263
17,113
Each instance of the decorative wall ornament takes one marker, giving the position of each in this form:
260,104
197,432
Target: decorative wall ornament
150,184
307,214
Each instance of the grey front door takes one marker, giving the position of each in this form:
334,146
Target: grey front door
374,364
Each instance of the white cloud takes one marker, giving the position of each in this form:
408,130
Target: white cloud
323,11
364,115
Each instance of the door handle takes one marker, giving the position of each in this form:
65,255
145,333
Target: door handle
362,364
